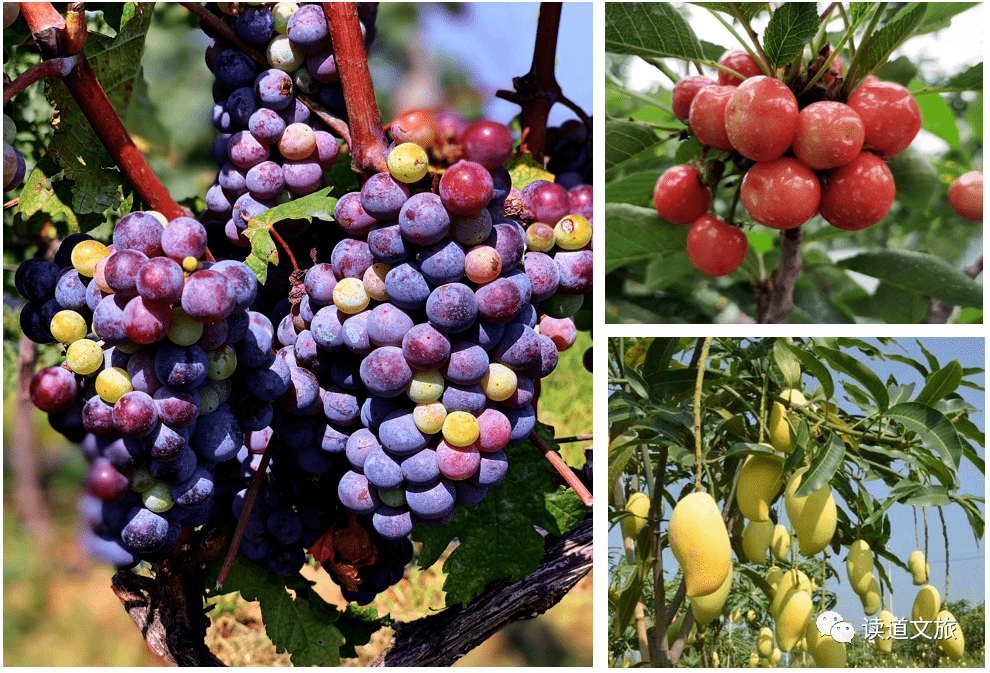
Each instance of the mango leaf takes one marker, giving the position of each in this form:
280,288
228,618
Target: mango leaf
620,452
791,27
636,234
814,366
787,363
650,30
883,42
941,383
852,367
918,272
626,141
935,431
823,468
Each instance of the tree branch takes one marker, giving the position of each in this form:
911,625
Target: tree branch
442,639
775,295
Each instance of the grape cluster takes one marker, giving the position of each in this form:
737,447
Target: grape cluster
14,167
801,158
388,379
570,156
271,148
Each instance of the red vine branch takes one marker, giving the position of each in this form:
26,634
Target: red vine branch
55,67
92,100
368,146
564,469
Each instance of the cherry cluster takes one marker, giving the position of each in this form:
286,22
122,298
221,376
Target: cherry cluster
800,159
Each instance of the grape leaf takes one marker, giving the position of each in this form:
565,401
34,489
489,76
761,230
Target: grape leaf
318,205
497,538
75,147
524,170
303,626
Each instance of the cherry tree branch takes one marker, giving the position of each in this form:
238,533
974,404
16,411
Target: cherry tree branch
775,295
368,145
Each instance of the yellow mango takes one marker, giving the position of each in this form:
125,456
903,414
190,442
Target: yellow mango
926,604
707,608
884,641
792,580
793,618
773,577
638,508
764,642
783,436
828,653
756,540
780,543
859,566
953,645
760,480
918,567
754,659
813,517
871,597
700,543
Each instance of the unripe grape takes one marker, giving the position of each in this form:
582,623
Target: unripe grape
85,256
408,163
572,232
540,237
425,387
349,296
482,264
222,363
460,428
112,384
158,498
499,383
68,327
84,356
429,418
374,281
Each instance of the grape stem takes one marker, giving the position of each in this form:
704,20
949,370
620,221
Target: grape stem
576,438
368,146
563,468
55,67
85,88
285,246
252,494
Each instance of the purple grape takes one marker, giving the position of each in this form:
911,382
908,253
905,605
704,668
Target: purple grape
302,177
354,491
327,328
327,150
181,368
208,296
387,244
320,283
349,213
273,89
385,372
355,329
135,414
467,365
121,270
399,434
433,500
383,470
423,220
499,301
267,126
241,105
406,286
452,308
471,399
36,279
442,262
543,274
382,196
139,231
244,150
232,179
425,348
351,257
519,348
466,188
388,325
421,467
576,271
255,24
234,70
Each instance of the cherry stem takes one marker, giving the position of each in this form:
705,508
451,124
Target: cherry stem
564,469
775,296
285,246
252,494
368,145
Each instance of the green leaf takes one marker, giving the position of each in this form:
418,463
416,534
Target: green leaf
916,177
883,42
662,272
746,9
635,189
918,272
935,431
791,27
650,29
627,141
858,11
823,467
814,366
497,538
304,627
941,383
939,15
638,234
937,118
630,595
787,363
967,80
852,367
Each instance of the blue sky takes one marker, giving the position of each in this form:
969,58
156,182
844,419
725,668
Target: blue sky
967,560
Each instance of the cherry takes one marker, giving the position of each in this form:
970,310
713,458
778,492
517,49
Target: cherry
684,93
680,196
714,247
890,115
829,135
966,196
708,116
782,194
858,194
741,62
761,117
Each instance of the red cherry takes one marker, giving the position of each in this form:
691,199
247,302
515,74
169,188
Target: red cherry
741,62
782,194
966,196
761,118
708,116
680,196
890,115
858,194
829,135
714,247
684,93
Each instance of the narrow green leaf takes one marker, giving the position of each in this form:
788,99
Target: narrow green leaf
936,432
892,35
746,9
822,468
852,367
787,363
919,272
941,383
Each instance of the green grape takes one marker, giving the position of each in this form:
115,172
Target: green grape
210,400
408,162
283,55
184,330
499,383
282,12
460,428
350,297
374,281
141,480
572,232
85,256
540,237
429,417
425,387
69,326
158,498
221,387
84,356
222,363
304,82
396,498
561,305
9,130
112,384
